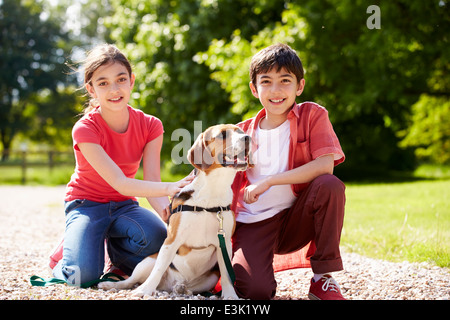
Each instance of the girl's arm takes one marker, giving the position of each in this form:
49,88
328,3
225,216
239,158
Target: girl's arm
113,175
303,174
152,172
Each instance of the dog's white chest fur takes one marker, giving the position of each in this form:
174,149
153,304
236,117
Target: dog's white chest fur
211,190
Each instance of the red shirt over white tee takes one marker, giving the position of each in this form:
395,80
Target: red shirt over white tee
311,136
125,149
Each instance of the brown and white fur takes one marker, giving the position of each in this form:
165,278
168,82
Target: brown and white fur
191,251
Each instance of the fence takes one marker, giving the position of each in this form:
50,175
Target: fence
20,161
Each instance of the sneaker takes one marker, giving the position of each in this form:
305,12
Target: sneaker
325,289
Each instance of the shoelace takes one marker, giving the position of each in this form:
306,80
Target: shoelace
331,284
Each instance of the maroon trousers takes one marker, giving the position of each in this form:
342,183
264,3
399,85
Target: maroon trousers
317,214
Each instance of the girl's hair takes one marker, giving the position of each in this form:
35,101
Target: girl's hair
99,56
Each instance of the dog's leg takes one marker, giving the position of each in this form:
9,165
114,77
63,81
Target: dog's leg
204,283
165,257
227,287
140,273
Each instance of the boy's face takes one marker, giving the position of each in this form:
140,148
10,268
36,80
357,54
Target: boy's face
277,91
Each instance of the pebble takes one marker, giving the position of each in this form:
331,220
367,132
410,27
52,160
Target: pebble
32,223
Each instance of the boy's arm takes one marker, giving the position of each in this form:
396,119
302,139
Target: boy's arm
303,174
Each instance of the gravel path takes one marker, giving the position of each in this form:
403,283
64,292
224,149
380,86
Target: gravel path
32,222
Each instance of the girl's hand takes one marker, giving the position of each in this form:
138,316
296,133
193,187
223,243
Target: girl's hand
176,187
165,215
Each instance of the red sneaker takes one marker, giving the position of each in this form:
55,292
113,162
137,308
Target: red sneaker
325,289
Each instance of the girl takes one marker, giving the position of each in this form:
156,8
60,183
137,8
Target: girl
109,141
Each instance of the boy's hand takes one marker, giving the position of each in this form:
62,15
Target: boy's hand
253,191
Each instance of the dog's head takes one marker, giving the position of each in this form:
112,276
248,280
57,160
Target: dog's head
223,145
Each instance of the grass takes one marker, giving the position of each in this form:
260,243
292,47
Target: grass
399,221
396,221
36,175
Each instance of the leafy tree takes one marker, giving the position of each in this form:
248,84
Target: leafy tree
51,115
367,78
429,131
32,56
162,39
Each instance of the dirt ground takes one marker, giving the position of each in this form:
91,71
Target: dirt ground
32,223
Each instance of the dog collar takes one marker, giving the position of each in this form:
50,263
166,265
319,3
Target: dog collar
183,207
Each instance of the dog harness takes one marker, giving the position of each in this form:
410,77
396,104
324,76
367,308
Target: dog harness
183,207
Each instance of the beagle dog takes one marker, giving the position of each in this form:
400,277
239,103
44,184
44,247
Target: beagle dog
191,251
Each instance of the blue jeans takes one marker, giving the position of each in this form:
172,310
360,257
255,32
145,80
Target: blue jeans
132,233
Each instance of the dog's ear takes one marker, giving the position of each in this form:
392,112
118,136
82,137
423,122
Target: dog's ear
199,155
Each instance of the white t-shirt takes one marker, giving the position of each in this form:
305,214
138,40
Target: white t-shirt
271,157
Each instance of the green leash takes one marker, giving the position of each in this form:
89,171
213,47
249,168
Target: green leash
223,248
41,282
226,258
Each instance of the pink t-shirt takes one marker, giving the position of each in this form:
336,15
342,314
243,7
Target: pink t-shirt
125,149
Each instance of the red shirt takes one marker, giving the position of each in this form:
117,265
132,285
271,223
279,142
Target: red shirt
125,149
311,136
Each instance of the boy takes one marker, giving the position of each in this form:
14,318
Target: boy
290,200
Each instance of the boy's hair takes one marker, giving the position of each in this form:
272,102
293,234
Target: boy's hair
279,56
102,55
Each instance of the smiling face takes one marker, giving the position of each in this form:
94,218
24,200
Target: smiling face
111,85
277,90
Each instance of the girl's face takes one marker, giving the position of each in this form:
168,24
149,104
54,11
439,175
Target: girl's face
111,85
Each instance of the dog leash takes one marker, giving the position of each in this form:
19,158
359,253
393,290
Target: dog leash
37,281
223,248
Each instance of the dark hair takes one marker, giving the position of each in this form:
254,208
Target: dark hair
279,56
102,55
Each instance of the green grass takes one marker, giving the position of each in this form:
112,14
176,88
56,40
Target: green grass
36,175
399,221
394,221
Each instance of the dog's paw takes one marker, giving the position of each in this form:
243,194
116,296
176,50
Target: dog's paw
107,285
140,292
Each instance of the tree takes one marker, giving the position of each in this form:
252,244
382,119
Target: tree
162,39
429,130
32,56
367,78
